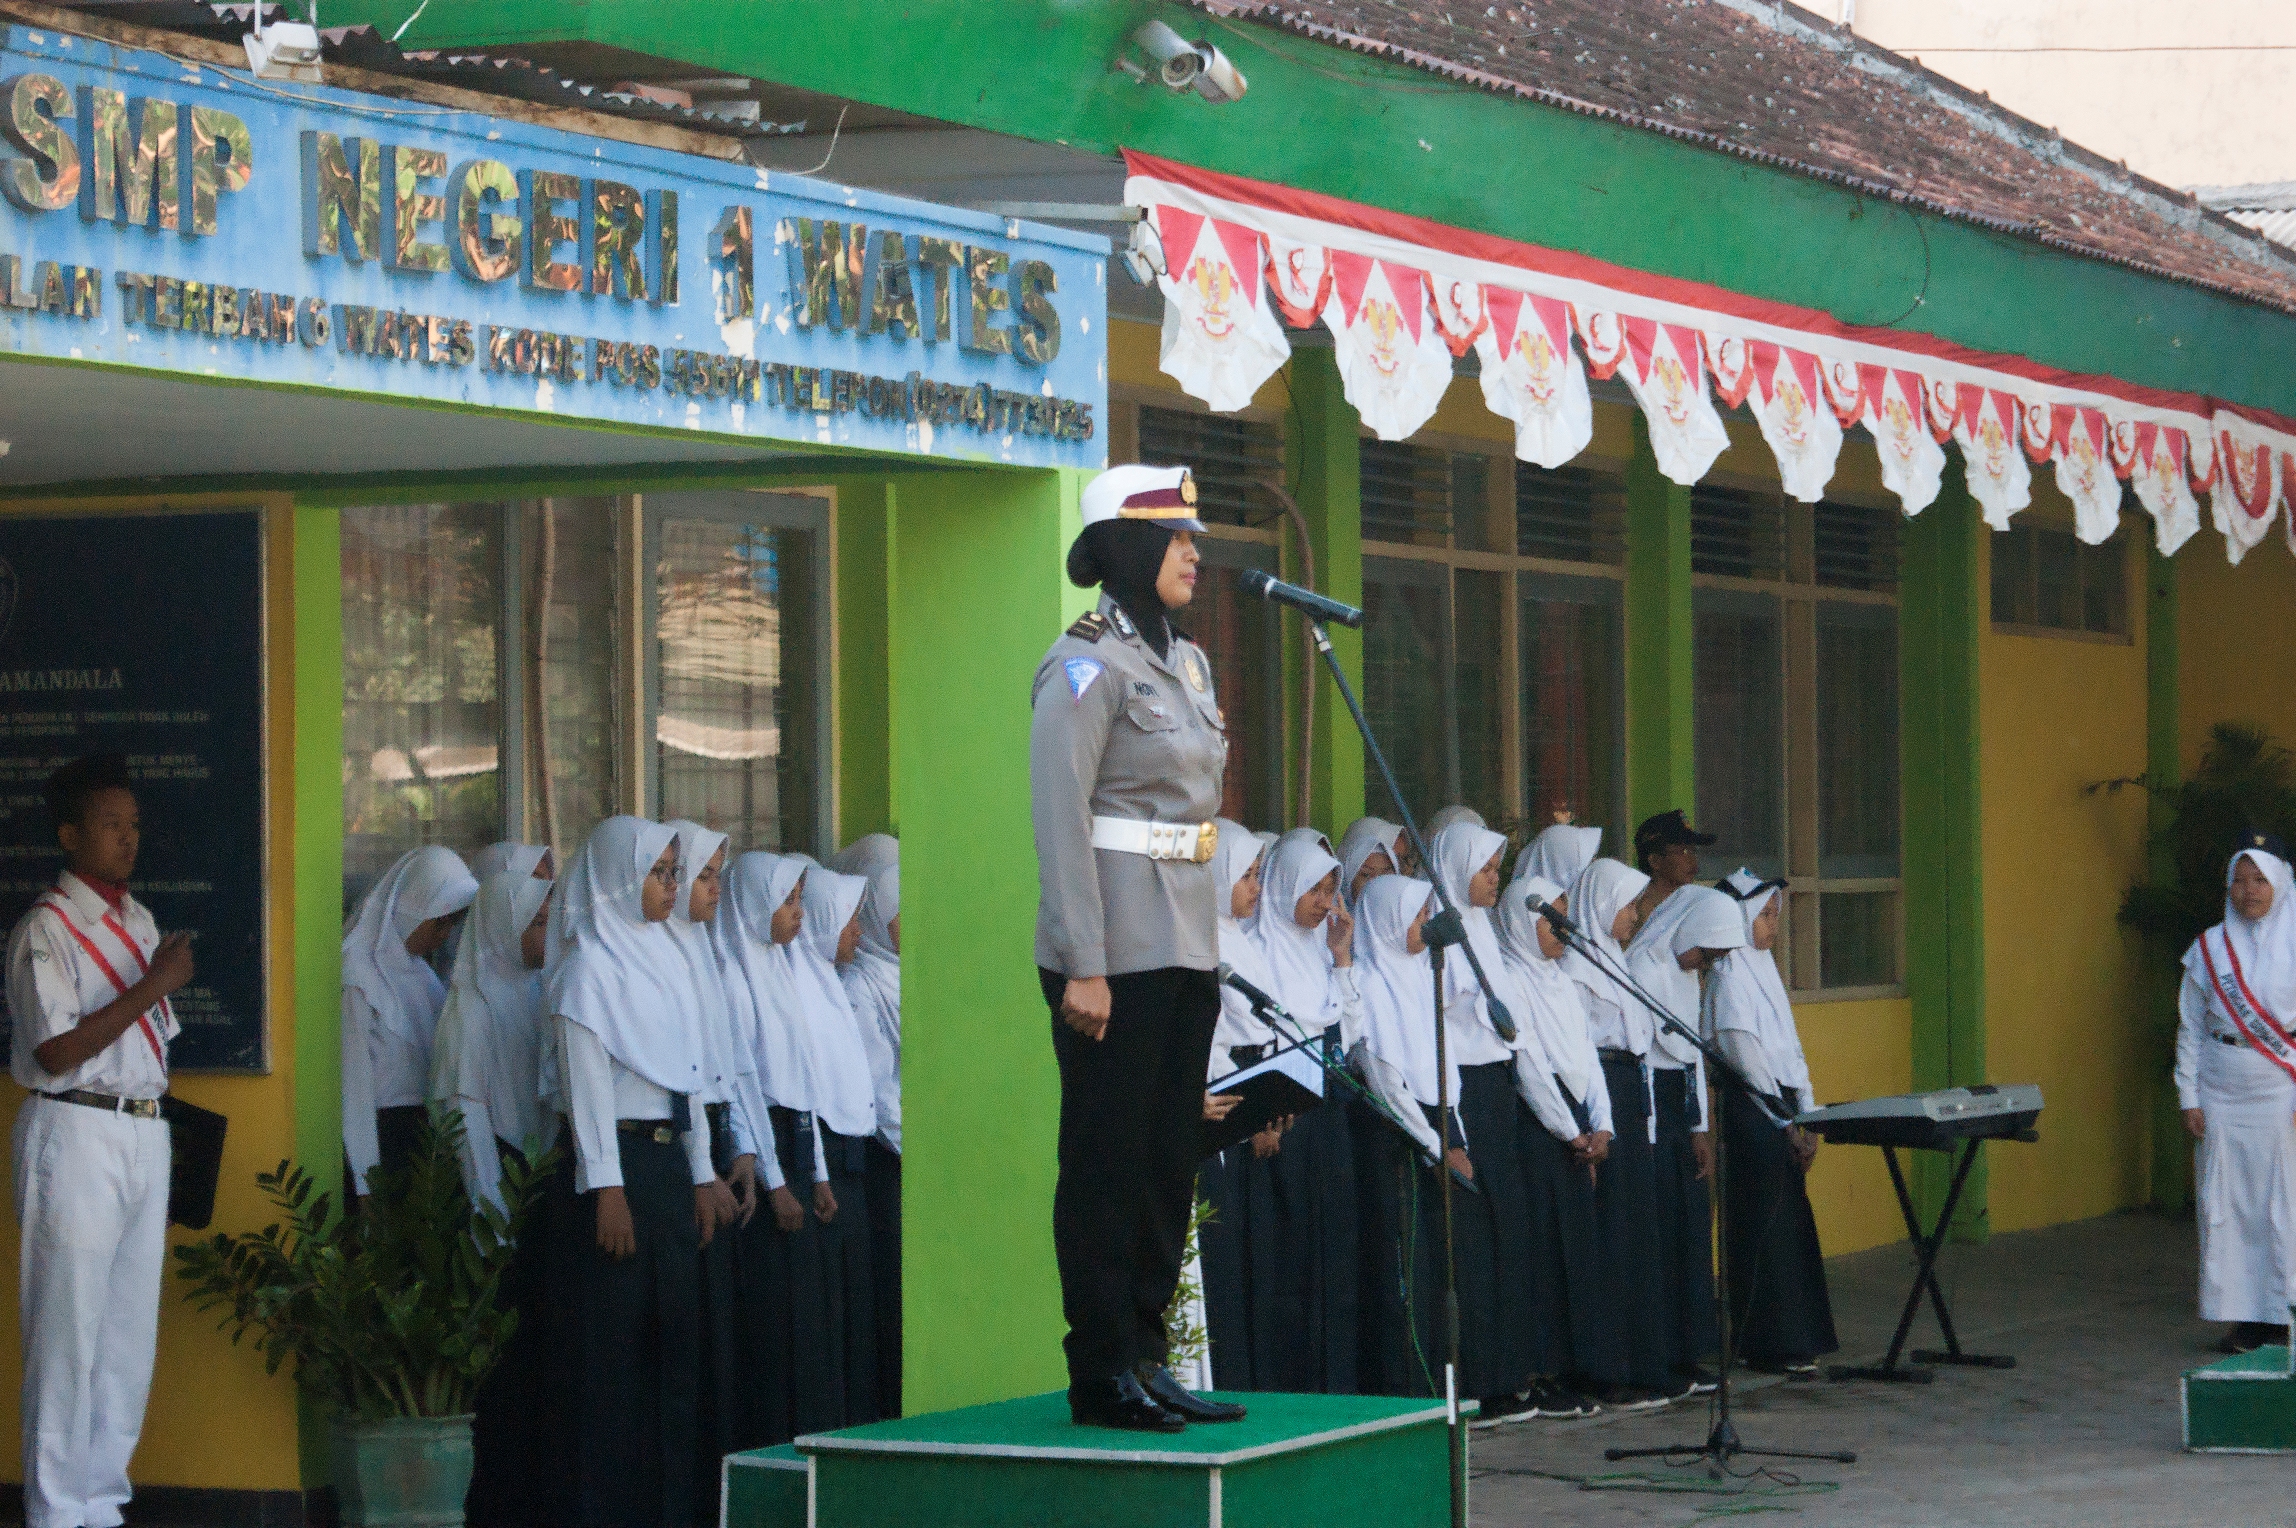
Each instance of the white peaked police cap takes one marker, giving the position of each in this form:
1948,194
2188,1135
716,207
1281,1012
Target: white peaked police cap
1164,496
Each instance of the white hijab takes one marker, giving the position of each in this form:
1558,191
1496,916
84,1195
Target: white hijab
1365,837
1596,897
1240,947
873,986
1554,1014
761,984
489,1042
612,972
1299,961
1559,854
1454,814
401,988
846,1098
1693,917
866,855
1460,850
1745,992
712,1020
1399,987
517,858
2266,946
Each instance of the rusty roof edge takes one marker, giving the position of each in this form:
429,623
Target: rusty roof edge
1277,17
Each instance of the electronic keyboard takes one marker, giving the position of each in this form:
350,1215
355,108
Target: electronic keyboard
1931,1121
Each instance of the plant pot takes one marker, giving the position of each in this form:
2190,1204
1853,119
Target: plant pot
408,1472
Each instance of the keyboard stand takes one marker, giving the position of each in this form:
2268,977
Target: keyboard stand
1927,1247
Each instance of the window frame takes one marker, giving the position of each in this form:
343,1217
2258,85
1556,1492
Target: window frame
2123,538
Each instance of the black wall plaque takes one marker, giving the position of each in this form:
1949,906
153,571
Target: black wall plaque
143,635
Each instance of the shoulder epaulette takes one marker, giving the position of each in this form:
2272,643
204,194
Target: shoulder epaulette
1091,626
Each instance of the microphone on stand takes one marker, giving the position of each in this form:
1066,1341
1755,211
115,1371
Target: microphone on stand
1552,914
1258,999
1273,589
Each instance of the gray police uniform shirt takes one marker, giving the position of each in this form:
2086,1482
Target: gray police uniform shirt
1120,732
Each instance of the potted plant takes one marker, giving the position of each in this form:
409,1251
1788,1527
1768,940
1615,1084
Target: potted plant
392,1315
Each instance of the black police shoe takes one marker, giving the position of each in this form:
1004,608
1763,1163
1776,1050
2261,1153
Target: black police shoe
1175,1397
1121,1403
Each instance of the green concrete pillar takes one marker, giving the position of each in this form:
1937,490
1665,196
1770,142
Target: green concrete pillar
1327,479
1942,615
1659,763
2164,769
978,559
865,600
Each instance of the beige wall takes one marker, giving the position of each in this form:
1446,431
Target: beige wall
2177,113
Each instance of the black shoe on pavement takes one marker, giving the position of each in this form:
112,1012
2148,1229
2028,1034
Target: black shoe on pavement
1560,1401
1121,1403
1632,1398
1697,1379
1182,1402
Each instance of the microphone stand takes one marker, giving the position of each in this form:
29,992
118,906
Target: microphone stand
1442,931
1722,1442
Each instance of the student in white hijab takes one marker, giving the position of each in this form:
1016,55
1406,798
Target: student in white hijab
873,984
1397,1202
1560,853
1295,1187
391,1001
1370,848
1780,1314
1580,1346
845,1113
785,1334
1223,1180
1449,815
1237,868
867,855
517,858
1602,903
486,1067
1498,1337
1690,930
2236,1082
634,1195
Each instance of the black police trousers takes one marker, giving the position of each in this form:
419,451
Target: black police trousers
1131,1113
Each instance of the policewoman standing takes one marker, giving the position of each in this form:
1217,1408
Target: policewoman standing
1126,750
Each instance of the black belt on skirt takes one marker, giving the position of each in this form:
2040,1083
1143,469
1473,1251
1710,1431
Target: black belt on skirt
660,1131
855,1160
1609,1055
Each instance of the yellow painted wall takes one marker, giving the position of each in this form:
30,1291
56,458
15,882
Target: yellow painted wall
2236,641
215,1419
2064,1002
1856,1050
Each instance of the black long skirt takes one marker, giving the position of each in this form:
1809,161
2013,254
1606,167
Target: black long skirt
1779,1308
847,1280
719,1426
625,1350
1284,1263
1685,1226
1498,1326
1400,1271
781,1314
884,1183
1626,1205
1576,1321
506,1447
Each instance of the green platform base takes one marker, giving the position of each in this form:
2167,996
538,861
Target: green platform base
1334,1461
2243,1405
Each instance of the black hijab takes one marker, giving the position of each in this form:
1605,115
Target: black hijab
1124,557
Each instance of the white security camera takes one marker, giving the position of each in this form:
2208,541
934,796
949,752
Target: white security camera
1144,254
1220,81
1185,65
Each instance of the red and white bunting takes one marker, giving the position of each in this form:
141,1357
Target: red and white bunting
1402,297
1532,376
1220,340
1393,363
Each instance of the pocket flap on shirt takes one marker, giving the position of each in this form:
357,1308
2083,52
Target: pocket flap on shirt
1151,715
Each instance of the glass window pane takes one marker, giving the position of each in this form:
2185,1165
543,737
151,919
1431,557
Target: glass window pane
2104,588
1242,636
2057,579
422,714
1471,503
1477,649
1405,681
1857,938
1857,741
1738,728
566,548
2012,577
1573,704
736,644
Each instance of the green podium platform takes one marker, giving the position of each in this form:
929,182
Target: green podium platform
1335,1461
2243,1405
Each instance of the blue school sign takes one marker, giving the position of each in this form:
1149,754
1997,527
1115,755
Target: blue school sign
174,217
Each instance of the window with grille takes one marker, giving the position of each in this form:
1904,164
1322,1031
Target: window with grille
1737,532
1229,456
1570,514
2047,580
1406,493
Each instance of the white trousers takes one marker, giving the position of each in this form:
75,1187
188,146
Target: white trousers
91,1206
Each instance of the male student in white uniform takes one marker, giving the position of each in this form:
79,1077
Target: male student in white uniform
88,985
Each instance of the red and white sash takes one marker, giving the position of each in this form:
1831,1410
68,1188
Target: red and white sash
2255,1023
126,954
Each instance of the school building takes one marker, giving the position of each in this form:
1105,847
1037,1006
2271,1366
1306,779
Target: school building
661,406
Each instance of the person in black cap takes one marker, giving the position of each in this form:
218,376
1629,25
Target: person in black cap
1666,847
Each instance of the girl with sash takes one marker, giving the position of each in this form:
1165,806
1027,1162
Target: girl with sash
2236,1082
1779,1311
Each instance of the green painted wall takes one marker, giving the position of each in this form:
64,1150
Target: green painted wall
1942,616
1405,140
979,561
1659,765
1326,461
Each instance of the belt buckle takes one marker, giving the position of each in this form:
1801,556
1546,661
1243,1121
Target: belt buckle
1207,842
143,1108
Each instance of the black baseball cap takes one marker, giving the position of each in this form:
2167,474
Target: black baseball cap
1665,831
2257,838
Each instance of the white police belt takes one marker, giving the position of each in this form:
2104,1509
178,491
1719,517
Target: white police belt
1194,842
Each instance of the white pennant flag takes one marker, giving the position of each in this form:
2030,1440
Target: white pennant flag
2085,472
2247,490
1796,419
1220,340
1532,376
1667,375
1393,364
1985,426
2154,457
1896,413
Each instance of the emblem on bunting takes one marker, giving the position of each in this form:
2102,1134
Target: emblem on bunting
1986,426
1220,341
2152,458
1895,414
1532,376
1666,371
2084,472
1393,362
